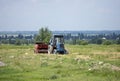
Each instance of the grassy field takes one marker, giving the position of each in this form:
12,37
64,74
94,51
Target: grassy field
83,63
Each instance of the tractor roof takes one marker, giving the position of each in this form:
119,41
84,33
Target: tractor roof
57,35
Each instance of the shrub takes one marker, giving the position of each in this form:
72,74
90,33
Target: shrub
107,42
54,77
84,43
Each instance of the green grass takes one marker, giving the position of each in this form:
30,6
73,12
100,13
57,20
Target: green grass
83,63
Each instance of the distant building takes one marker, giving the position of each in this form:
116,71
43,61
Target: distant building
103,38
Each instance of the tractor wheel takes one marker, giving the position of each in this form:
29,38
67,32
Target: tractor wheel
50,49
35,51
55,51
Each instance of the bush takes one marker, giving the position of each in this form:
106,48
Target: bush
96,41
82,42
107,42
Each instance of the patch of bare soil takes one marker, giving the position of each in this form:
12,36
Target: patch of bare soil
115,68
84,57
114,57
100,65
2,64
106,53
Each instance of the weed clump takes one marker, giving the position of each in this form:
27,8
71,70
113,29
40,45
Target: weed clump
53,77
44,64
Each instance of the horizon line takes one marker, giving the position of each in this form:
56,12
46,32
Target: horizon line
52,30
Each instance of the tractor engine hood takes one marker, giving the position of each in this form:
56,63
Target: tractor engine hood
60,47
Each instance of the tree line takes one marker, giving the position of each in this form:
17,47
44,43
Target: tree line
84,39
44,35
16,39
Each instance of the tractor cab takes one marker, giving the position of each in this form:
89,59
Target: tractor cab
56,39
56,45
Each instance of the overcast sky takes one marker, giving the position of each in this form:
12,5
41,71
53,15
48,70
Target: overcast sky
19,15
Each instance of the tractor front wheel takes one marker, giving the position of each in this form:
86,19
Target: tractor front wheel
50,49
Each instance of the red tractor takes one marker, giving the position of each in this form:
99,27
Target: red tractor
41,47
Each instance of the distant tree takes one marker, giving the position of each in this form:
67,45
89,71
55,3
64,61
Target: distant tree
24,41
68,36
74,41
12,41
81,35
118,41
93,41
44,35
20,36
81,42
78,42
5,36
5,41
98,41
17,42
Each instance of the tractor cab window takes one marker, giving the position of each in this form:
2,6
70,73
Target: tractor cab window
59,40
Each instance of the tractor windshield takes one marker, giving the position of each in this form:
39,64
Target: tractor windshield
59,40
